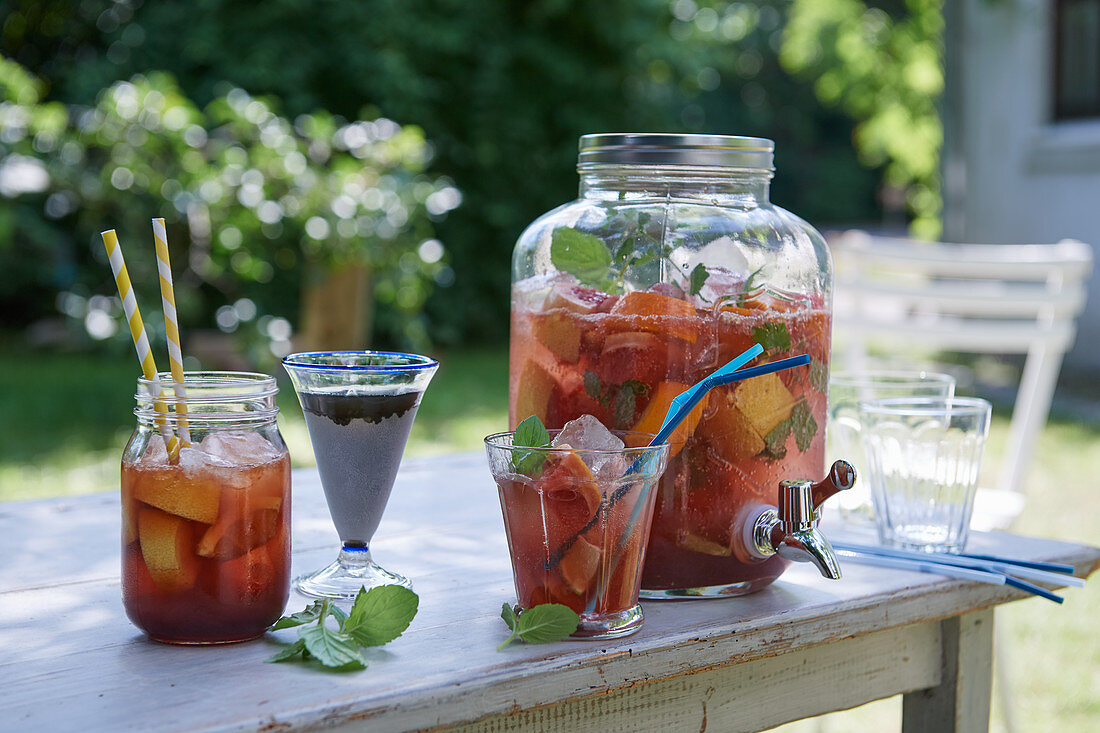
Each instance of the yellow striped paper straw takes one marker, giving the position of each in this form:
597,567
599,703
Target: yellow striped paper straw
171,326
137,332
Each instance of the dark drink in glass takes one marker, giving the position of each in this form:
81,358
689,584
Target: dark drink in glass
359,408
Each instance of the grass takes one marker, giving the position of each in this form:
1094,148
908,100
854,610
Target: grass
67,418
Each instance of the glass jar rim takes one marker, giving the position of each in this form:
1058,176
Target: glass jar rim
252,385
207,398
668,149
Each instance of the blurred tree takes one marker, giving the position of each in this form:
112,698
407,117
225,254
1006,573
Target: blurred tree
502,88
882,63
254,203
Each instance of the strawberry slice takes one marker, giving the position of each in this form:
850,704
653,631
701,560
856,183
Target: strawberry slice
639,355
576,299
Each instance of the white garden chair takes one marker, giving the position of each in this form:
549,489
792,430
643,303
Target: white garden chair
1018,299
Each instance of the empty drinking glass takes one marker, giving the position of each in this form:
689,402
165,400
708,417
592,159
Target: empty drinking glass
923,458
846,390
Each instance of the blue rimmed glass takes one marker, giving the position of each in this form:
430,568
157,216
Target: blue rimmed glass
359,407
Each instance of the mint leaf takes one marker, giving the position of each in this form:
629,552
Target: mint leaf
591,384
583,256
543,623
528,462
309,615
772,336
775,441
803,426
626,401
749,283
698,278
332,648
622,254
623,410
380,615
509,615
289,652
530,433
547,622
819,375
645,252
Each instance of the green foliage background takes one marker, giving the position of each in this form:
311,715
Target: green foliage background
502,90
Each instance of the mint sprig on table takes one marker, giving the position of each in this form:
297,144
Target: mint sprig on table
377,617
530,433
540,624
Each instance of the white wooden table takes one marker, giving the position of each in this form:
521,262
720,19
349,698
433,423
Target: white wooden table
804,646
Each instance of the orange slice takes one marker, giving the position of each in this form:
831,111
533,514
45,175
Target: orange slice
168,489
233,535
533,393
655,411
645,310
729,431
579,565
695,543
167,545
765,401
560,333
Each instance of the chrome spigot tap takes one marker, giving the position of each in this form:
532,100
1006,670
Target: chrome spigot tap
791,530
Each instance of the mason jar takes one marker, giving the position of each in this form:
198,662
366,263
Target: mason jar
206,510
671,262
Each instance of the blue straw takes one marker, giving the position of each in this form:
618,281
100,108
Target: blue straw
1033,589
693,394
1050,567
717,379
683,403
950,560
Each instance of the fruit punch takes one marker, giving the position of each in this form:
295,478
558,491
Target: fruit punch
570,542
623,358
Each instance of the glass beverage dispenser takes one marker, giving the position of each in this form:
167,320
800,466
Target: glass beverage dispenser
670,263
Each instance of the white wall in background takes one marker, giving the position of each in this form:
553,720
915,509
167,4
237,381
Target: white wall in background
1011,174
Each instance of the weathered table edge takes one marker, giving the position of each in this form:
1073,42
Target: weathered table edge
708,648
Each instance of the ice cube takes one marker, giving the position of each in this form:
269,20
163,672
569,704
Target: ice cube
156,454
720,254
725,263
588,433
239,448
195,460
530,294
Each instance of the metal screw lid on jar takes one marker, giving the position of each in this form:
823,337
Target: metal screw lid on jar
632,148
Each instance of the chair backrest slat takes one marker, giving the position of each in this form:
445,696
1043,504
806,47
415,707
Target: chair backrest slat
972,298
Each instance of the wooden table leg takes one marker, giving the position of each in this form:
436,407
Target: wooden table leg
961,701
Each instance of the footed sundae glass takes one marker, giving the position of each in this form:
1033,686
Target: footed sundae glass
359,407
